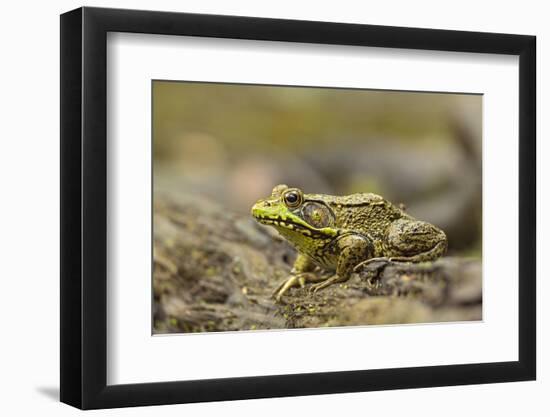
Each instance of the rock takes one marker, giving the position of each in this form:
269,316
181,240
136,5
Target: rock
215,271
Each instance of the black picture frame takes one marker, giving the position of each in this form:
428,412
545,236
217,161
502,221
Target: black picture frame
84,207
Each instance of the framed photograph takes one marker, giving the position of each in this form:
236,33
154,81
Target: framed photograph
257,207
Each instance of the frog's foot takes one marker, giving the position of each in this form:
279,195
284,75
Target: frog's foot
334,279
296,280
379,264
376,266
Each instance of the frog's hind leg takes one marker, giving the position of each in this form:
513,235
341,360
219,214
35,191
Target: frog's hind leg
382,260
409,240
437,251
415,241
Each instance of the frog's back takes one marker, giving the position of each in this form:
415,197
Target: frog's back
352,200
366,213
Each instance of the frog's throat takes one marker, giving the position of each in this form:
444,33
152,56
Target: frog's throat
292,223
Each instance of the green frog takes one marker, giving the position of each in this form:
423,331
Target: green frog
341,233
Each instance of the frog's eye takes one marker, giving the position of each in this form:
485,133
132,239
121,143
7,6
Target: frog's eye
292,198
317,215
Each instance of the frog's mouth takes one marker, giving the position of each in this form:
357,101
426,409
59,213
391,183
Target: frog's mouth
265,213
278,221
288,224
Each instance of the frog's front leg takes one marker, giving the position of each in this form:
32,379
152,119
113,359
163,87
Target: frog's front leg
301,272
352,250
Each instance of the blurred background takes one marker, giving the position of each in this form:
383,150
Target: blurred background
232,143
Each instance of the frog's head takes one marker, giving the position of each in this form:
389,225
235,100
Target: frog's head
294,215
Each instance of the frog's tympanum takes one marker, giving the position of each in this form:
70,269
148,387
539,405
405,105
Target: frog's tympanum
339,233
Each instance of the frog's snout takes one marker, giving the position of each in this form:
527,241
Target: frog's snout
261,208
257,208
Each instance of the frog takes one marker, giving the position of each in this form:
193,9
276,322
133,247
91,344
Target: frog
339,234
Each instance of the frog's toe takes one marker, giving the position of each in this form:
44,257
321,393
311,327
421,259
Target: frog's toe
279,291
279,287
278,295
319,286
377,262
283,287
299,279
314,288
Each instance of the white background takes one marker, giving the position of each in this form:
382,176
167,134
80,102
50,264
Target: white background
134,356
29,176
